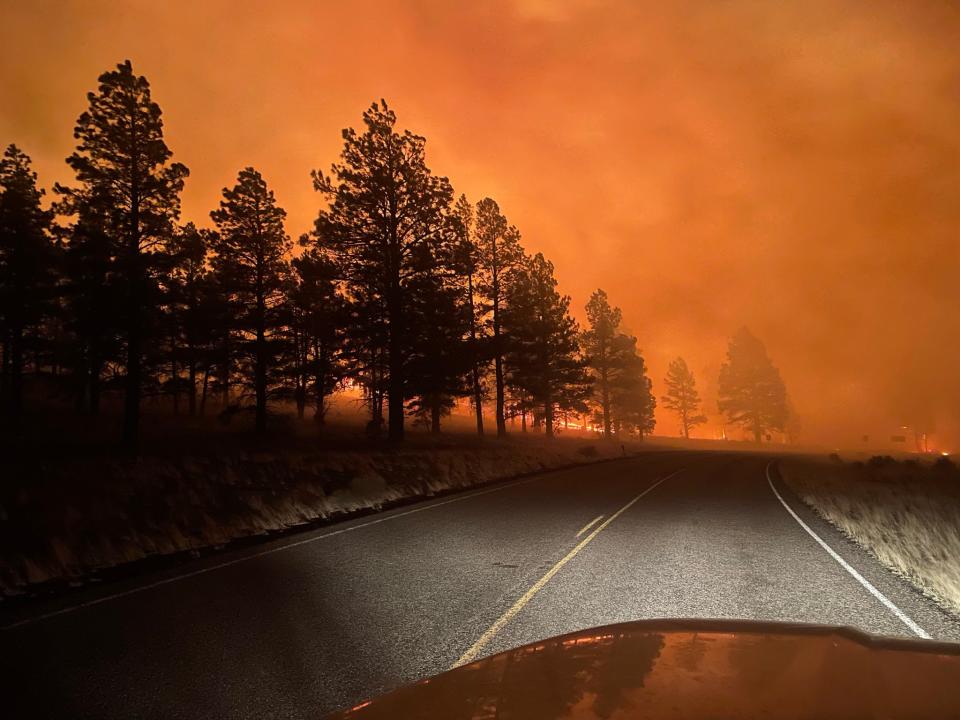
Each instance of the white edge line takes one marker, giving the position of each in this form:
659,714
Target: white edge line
269,551
471,654
902,616
589,525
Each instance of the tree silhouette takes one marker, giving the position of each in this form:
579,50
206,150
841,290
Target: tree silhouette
385,209
27,259
251,246
440,357
542,340
91,295
499,253
467,262
604,322
192,320
316,313
399,291
121,158
631,390
751,392
682,396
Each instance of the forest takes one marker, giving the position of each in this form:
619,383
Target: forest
411,295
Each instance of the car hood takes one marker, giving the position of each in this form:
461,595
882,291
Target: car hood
692,669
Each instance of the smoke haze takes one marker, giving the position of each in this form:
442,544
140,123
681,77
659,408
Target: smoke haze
792,167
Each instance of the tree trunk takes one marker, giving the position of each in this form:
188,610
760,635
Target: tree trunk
192,380
225,372
203,395
395,385
301,400
15,382
604,393
319,382
5,372
435,416
93,380
131,406
260,371
477,393
548,416
498,351
174,376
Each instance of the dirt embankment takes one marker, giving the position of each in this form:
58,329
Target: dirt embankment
65,521
906,513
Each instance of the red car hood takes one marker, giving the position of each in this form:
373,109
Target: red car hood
693,669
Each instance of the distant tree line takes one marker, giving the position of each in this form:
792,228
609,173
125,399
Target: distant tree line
404,290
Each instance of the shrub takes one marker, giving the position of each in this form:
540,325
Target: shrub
880,461
945,465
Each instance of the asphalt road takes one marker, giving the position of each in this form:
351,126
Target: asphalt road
322,620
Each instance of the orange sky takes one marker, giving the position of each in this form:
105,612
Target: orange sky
792,166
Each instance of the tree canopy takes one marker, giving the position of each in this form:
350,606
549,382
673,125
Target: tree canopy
122,164
751,391
682,396
388,221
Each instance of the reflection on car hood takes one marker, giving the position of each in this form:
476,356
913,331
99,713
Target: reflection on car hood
692,669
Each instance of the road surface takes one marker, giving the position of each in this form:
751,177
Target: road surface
321,620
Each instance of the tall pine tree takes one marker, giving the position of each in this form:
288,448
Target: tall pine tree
386,223
121,158
632,401
598,339
682,396
316,312
499,253
467,262
543,354
251,246
27,260
751,391
190,306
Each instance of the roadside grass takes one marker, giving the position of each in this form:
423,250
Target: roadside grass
906,513
68,516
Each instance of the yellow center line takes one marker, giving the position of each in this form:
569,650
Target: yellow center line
589,525
475,649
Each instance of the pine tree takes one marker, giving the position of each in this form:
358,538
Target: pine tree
386,218
121,158
543,356
632,401
751,392
604,322
190,306
467,262
499,253
682,396
316,312
440,357
27,259
250,248
91,295
220,311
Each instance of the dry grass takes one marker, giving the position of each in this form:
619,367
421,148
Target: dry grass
64,520
906,513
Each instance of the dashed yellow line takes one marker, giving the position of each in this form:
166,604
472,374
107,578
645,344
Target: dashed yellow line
475,649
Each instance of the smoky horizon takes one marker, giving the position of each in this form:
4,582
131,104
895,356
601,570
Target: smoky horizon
792,169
